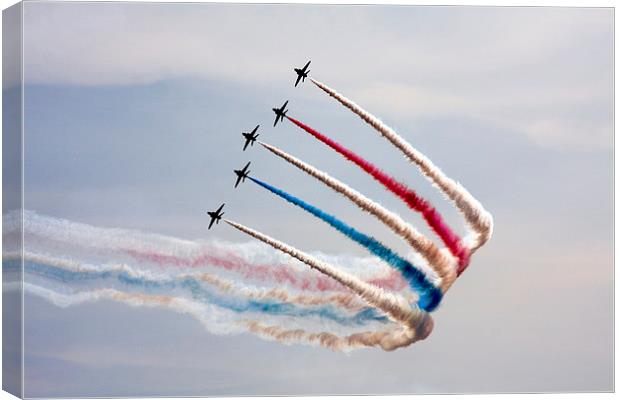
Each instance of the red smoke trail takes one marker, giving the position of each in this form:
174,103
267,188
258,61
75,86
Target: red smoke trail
415,202
278,273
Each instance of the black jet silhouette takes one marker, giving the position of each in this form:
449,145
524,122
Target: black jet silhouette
302,74
250,138
280,113
215,216
242,174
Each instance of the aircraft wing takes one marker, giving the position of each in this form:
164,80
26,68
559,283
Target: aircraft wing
211,223
297,81
220,209
238,180
306,66
247,141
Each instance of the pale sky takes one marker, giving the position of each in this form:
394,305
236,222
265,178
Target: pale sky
133,115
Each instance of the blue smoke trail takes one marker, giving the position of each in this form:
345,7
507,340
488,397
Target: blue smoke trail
198,292
430,296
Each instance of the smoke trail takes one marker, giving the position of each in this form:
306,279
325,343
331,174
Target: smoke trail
220,325
46,235
430,296
409,196
197,292
281,273
480,221
417,325
387,340
435,258
213,319
346,300
214,322
231,262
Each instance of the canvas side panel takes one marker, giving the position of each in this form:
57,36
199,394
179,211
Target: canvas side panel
12,224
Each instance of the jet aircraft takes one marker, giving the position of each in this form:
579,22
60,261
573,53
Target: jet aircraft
242,174
215,216
250,137
280,113
302,73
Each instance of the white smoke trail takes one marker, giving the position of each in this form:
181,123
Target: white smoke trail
386,339
416,324
479,220
442,263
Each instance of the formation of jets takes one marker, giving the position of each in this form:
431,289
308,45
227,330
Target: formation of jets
250,138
